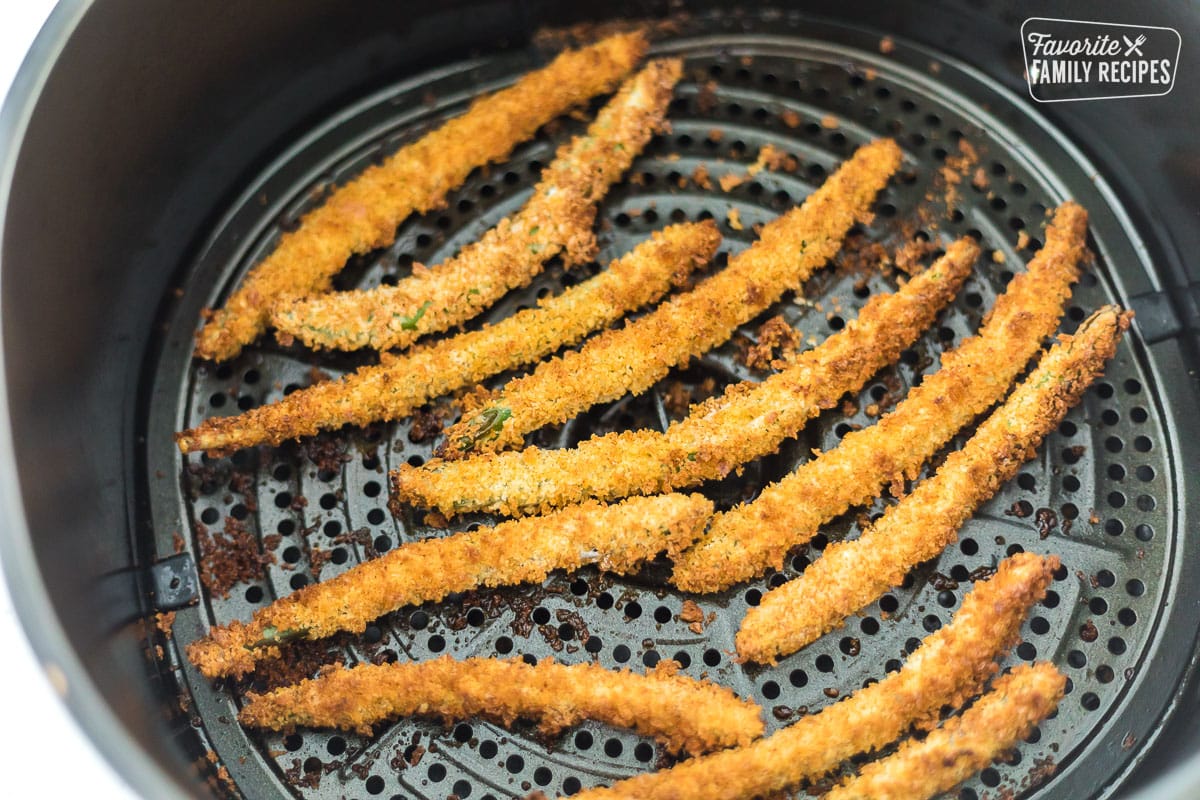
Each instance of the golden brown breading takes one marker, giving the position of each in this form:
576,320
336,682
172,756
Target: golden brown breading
964,745
748,421
850,574
950,667
687,715
556,219
754,536
401,384
618,538
633,358
363,214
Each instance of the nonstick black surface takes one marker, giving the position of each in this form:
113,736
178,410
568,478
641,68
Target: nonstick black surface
1102,487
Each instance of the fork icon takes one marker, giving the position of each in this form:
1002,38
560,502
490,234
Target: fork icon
1134,47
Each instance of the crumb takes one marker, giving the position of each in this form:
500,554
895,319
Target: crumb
791,118
860,255
729,181
776,340
693,616
909,255
716,134
829,121
701,178
327,452
772,158
735,219
678,398
886,45
1022,240
427,423
980,180
229,557
164,622
998,256
706,98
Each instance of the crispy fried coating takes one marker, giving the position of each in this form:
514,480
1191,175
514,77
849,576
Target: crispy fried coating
965,744
687,715
751,537
400,384
850,574
951,666
633,358
556,219
748,421
619,538
363,214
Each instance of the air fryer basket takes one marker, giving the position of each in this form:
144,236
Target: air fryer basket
1107,493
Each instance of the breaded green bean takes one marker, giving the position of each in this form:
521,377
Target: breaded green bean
964,745
556,219
951,666
749,538
633,358
748,421
363,214
401,384
687,715
851,574
619,538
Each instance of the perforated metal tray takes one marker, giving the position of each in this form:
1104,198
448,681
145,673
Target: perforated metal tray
1106,478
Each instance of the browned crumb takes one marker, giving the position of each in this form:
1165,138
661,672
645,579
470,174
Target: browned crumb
772,158
791,118
980,180
693,616
829,121
706,98
164,622
229,557
908,256
998,257
862,256
728,182
700,177
776,340
953,172
734,218
677,399
428,422
886,45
